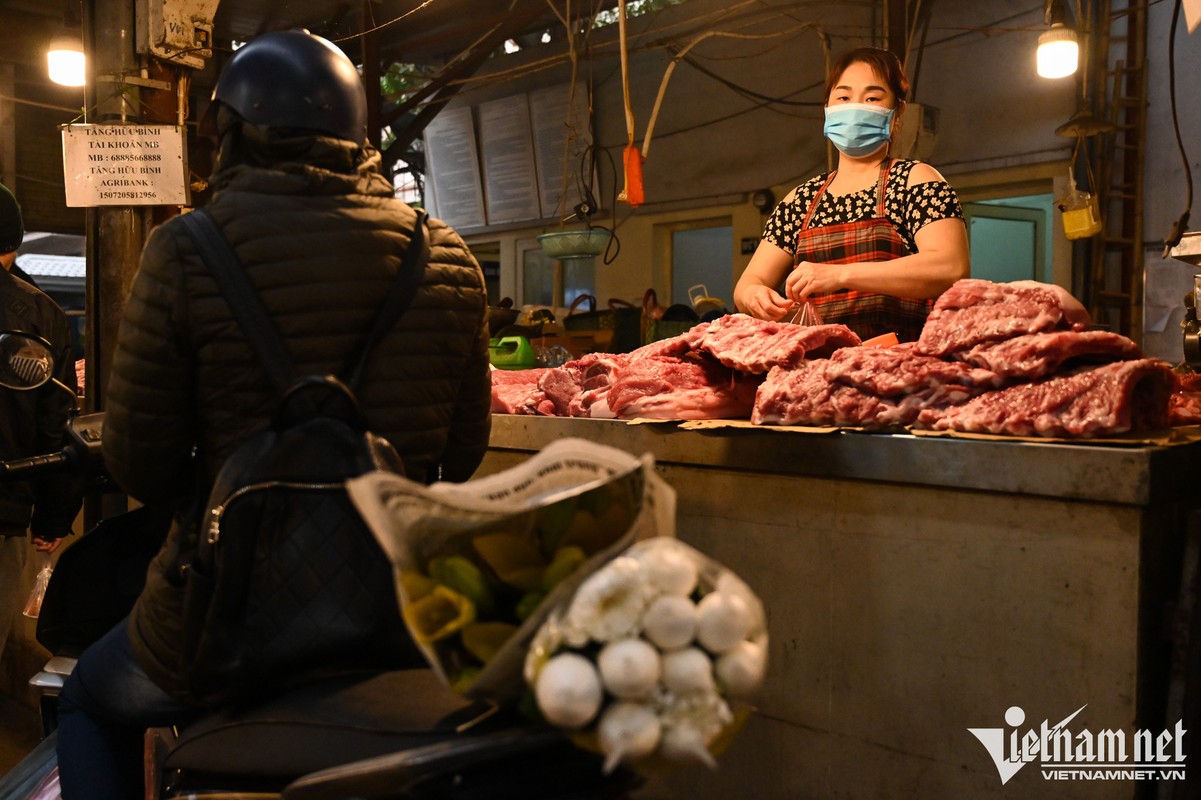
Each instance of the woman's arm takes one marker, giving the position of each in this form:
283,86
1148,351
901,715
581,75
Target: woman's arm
755,292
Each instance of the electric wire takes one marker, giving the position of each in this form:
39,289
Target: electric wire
1176,233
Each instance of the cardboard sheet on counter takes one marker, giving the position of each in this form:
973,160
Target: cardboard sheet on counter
1164,438
713,424
1184,434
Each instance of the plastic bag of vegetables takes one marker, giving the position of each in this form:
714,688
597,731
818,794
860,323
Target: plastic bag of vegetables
652,656
480,564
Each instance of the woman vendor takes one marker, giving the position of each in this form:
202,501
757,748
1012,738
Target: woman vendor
873,242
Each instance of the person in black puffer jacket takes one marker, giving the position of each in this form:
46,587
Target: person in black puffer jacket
300,197
31,423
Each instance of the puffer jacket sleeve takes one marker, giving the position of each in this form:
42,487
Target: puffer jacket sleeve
470,426
150,420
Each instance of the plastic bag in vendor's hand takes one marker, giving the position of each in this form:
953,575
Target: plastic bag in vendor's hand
806,314
33,605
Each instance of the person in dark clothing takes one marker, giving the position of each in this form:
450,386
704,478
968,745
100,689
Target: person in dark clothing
299,195
31,422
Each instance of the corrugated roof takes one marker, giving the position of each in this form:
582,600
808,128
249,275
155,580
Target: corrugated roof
44,266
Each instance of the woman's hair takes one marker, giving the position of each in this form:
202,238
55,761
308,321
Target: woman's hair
883,62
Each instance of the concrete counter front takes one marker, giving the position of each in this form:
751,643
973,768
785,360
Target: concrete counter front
917,587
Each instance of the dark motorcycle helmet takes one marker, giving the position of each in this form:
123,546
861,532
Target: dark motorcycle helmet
292,79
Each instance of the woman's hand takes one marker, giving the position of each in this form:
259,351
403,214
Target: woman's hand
754,293
809,278
765,303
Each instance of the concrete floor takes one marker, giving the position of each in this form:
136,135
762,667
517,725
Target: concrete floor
20,731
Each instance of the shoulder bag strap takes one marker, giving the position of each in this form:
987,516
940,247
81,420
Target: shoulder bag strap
243,300
400,297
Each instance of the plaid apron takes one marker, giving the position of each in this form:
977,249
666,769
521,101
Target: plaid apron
875,239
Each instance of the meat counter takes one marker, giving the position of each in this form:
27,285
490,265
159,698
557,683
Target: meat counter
919,586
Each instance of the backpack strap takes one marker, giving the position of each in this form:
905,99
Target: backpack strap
243,300
260,329
399,298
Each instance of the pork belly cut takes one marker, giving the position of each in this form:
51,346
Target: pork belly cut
805,396
755,345
973,311
675,346
1036,355
695,387
1089,402
525,391
521,398
901,370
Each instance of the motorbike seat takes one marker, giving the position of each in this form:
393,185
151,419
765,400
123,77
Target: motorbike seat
319,725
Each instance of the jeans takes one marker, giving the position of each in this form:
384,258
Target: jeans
104,709
14,552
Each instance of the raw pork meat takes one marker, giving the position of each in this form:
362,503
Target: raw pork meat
973,311
805,396
521,398
1185,406
680,388
560,387
503,376
1098,401
754,345
1037,355
901,370
680,345
524,391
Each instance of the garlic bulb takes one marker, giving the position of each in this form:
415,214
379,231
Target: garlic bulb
568,691
690,724
629,668
687,670
670,621
670,567
740,669
609,603
685,742
722,621
627,731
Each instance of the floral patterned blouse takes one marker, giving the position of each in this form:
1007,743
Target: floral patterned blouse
909,208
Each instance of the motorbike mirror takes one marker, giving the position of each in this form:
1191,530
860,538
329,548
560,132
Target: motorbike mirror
26,361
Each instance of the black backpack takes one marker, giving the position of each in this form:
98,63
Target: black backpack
287,582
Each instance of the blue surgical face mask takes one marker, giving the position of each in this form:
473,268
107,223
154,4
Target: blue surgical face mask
858,129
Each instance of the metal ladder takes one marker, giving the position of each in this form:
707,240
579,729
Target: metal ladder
1115,256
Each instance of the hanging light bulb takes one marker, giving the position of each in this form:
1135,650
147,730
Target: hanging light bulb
1058,52
1058,48
65,61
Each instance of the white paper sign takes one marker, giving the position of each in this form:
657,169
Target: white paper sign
454,167
125,165
561,135
510,185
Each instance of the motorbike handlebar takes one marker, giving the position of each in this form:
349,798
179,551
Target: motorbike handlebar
19,468
81,453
